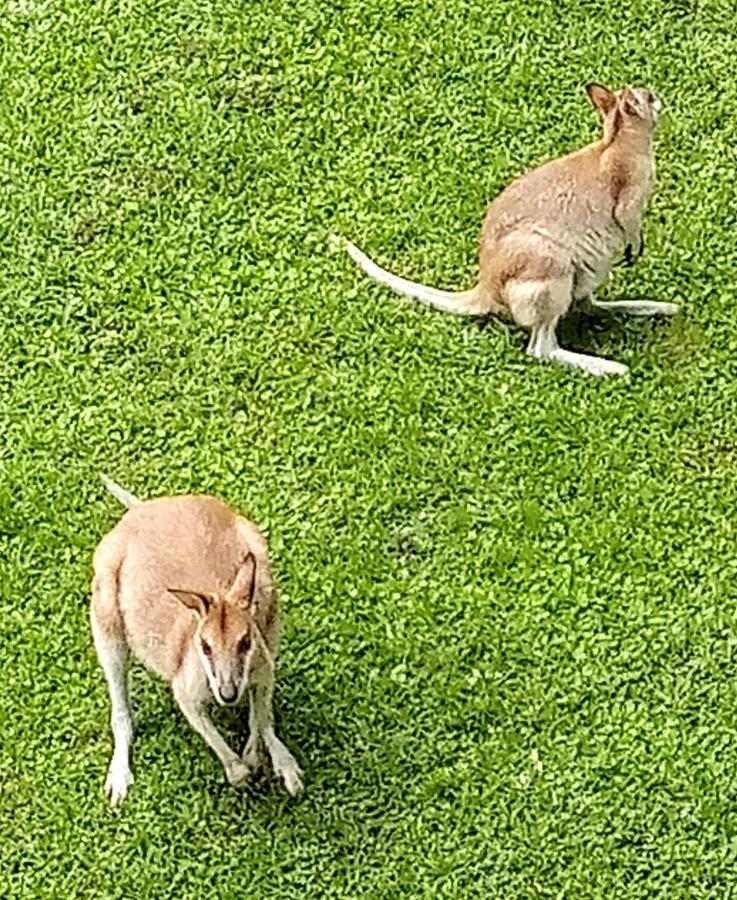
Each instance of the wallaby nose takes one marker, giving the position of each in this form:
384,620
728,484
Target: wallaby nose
228,692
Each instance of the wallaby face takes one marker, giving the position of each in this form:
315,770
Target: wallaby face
635,108
223,643
552,236
223,638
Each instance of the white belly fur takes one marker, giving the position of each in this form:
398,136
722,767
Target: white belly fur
592,261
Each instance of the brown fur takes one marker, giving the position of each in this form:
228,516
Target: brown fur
551,236
185,584
536,227
186,543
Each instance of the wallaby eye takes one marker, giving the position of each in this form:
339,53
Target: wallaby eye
206,649
243,645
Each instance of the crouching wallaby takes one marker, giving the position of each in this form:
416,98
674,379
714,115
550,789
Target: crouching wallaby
184,583
551,237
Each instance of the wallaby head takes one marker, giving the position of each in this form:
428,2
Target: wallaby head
627,108
225,633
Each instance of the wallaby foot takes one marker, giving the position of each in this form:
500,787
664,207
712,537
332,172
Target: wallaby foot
544,346
635,307
119,779
593,365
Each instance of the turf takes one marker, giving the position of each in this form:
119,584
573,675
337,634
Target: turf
509,644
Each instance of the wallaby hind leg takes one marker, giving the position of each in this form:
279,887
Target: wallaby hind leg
634,307
112,651
538,305
544,346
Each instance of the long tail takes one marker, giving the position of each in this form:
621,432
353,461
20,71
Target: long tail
462,303
120,493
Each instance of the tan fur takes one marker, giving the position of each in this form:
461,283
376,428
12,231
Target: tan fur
185,584
552,236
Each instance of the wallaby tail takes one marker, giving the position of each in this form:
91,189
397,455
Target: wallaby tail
120,493
462,303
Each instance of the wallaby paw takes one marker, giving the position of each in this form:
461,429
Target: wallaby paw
238,773
290,773
252,757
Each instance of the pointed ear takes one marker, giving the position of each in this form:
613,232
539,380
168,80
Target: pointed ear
243,588
194,600
602,98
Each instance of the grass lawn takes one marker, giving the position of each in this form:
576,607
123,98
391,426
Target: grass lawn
510,632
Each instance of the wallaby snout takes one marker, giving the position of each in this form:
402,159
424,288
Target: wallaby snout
228,680
228,691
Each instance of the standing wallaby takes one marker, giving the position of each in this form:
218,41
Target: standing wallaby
551,237
184,583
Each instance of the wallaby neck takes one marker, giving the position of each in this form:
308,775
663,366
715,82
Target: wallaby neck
632,142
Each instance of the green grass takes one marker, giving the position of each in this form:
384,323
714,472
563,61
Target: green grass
509,649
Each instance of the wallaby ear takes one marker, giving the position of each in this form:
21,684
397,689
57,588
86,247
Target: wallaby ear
243,588
602,98
194,600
